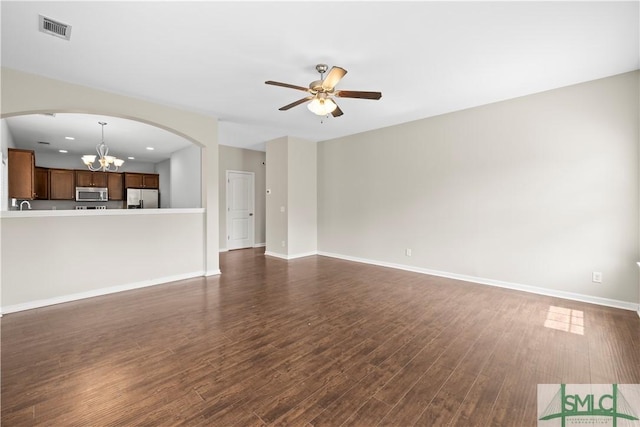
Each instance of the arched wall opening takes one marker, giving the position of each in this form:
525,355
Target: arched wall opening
138,249
61,139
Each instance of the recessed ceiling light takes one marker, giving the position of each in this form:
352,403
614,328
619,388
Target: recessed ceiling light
69,138
150,148
63,151
131,158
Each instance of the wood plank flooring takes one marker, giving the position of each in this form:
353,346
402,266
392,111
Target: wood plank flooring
309,342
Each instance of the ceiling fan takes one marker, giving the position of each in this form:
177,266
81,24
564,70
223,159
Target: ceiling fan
321,92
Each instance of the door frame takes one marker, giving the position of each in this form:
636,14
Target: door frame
252,206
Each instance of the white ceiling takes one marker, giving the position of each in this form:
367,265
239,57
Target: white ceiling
427,58
124,138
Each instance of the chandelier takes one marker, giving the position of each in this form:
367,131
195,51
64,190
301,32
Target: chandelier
106,163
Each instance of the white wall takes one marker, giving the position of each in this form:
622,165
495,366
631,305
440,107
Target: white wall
541,191
6,142
185,178
163,169
239,159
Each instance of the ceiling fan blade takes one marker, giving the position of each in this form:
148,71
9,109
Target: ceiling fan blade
270,82
358,94
337,112
332,79
298,102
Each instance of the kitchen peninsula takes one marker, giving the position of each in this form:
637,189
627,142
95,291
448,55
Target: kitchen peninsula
56,233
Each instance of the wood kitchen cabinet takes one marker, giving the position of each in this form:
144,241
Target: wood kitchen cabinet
91,179
62,184
141,180
41,186
151,181
22,165
115,185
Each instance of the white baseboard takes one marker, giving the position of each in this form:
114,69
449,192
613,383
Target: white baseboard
302,255
289,257
257,245
99,292
515,286
276,255
212,273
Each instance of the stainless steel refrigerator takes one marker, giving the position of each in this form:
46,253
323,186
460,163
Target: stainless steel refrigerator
138,198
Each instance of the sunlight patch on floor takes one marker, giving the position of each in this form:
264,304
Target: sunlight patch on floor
565,319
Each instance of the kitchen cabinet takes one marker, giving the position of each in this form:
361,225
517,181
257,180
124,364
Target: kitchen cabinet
115,185
151,181
91,179
141,180
41,186
62,184
22,165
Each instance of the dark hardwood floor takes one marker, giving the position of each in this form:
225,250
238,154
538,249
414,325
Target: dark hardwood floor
310,342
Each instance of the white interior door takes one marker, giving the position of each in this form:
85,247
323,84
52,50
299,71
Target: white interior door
240,210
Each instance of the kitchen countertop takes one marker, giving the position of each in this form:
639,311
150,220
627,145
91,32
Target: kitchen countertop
98,212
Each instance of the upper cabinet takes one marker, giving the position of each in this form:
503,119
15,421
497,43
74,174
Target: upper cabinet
141,180
22,166
41,184
28,182
62,184
91,179
115,186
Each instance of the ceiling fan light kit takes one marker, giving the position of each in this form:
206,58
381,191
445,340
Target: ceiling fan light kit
321,105
321,102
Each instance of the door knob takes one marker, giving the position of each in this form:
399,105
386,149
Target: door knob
250,214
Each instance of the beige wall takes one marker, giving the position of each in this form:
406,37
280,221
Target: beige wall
302,197
24,93
238,159
539,191
276,222
292,205
55,258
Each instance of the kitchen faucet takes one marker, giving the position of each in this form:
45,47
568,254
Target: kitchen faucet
23,202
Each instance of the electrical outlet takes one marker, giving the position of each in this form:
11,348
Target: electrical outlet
283,244
596,277
407,252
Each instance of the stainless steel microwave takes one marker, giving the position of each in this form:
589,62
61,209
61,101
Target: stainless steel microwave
91,194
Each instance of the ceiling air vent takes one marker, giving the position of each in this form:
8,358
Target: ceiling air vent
55,28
